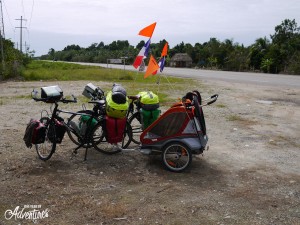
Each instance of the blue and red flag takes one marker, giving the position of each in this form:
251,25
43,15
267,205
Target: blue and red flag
142,54
162,60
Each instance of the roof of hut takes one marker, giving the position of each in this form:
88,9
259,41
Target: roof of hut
181,57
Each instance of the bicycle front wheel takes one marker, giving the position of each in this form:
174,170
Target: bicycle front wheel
46,149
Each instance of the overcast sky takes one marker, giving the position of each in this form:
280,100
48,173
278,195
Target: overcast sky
58,23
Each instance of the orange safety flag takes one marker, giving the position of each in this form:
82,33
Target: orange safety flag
162,60
152,67
148,31
164,52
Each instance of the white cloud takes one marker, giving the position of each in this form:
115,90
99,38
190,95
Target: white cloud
177,20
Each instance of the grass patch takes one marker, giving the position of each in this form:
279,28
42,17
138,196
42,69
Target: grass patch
241,120
46,70
23,97
234,118
220,106
134,82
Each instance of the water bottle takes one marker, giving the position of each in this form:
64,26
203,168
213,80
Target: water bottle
74,126
83,128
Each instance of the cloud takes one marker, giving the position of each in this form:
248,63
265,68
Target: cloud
190,21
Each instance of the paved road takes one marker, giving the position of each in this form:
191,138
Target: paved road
234,77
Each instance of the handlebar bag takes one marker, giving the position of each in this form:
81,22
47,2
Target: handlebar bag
51,93
91,91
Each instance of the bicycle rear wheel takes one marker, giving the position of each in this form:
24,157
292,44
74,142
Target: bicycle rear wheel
136,125
46,149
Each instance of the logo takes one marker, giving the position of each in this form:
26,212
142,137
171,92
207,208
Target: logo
28,212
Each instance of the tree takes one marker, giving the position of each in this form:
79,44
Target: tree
287,40
257,52
266,65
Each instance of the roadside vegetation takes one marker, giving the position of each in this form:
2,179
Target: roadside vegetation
279,54
39,70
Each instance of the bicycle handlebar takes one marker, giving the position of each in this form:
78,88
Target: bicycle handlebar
63,100
214,98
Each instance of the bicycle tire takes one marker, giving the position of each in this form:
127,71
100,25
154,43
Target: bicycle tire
46,149
136,126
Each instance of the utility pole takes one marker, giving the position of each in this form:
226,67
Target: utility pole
2,36
21,31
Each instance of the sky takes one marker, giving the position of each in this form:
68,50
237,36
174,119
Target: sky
58,23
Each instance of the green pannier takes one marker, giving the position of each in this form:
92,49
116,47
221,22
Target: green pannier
149,116
85,122
116,110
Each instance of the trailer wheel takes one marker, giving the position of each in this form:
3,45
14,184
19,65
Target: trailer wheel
176,156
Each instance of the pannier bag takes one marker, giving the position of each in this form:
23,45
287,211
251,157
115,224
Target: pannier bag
60,131
114,109
85,123
115,128
91,91
51,93
149,116
148,100
118,94
35,133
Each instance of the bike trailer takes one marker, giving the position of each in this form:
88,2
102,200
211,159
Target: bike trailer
115,128
51,93
114,109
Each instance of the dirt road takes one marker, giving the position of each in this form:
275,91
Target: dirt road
250,175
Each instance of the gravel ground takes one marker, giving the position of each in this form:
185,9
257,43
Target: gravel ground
249,175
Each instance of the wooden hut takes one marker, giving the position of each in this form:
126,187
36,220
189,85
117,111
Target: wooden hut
181,60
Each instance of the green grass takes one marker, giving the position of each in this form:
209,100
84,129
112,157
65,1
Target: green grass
46,70
234,118
220,106
132,80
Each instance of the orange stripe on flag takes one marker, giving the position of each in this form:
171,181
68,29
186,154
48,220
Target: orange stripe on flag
164,52
152,67
148,31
